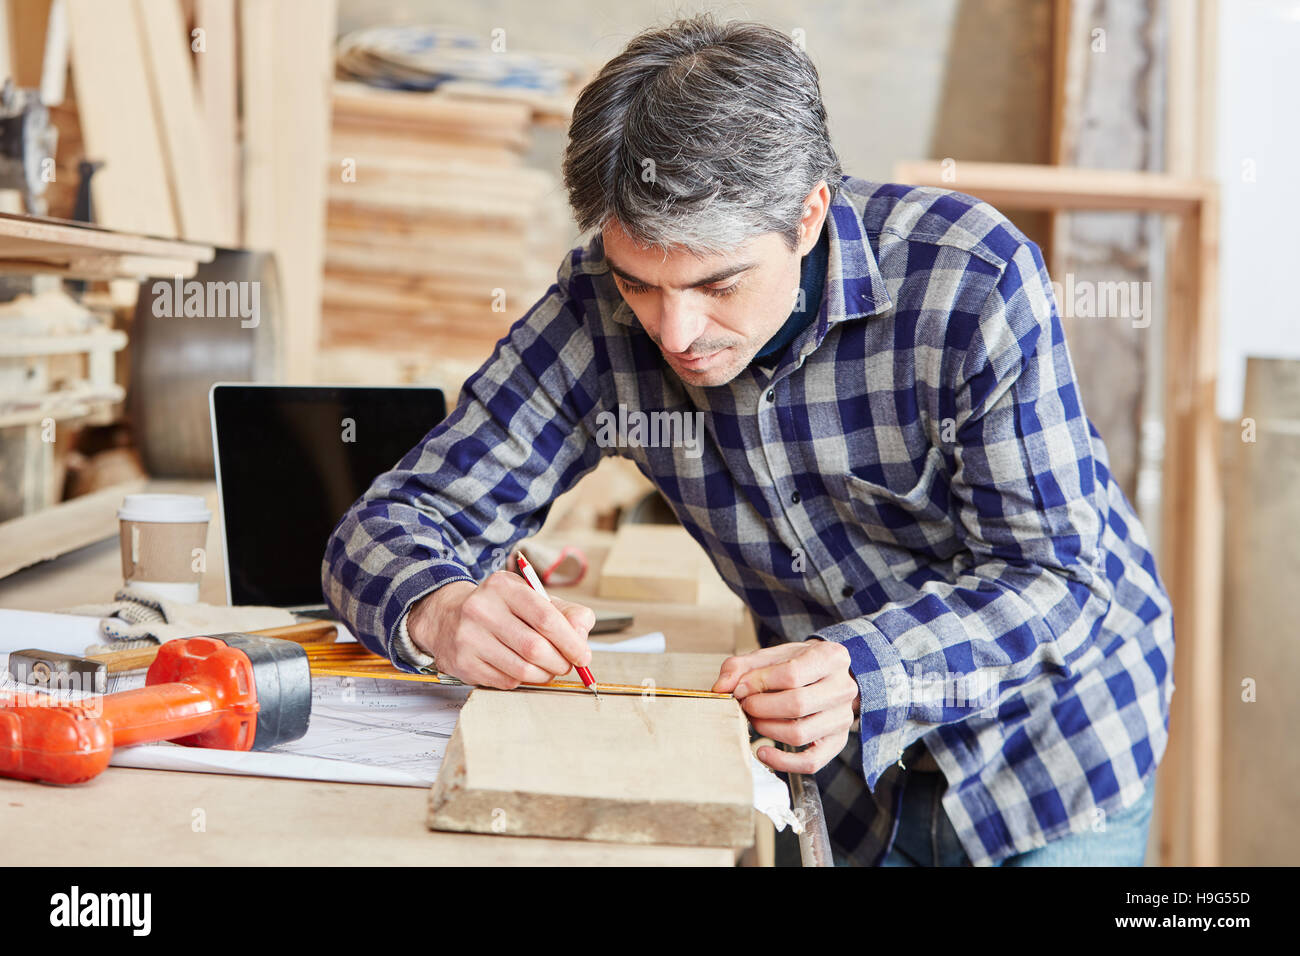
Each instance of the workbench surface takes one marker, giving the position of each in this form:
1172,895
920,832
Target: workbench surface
146,817
152,818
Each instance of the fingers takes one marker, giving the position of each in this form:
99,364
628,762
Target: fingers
832,691
520,667
809,662
531,646
532,628
482,674
805,730
805,761
544,617
734,668
479,656
581,617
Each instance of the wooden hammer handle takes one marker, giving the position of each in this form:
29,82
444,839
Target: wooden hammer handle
137,658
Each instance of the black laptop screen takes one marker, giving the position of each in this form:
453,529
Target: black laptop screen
292,460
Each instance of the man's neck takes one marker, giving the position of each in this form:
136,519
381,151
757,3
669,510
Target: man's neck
812,278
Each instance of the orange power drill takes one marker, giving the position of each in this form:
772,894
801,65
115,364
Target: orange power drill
228,692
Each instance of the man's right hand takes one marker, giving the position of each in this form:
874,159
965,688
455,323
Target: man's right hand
501,633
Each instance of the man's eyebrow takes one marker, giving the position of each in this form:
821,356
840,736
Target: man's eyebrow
724,273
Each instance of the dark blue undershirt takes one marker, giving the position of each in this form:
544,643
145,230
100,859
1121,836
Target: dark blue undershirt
812,278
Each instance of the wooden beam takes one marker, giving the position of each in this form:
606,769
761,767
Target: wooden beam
175,103
1191,795
1052,188
6,52
101,268
28,21
1058,93
287,50
1192,545
33,237
54,66
636,769
217,68
256,53
118,123
62,528
17,346
117,120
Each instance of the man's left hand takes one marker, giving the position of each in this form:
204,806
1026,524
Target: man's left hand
801,693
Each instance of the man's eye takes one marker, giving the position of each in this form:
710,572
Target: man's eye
633,289
719,293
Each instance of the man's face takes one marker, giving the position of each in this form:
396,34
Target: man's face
710,315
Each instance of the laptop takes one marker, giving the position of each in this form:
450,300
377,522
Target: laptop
290,460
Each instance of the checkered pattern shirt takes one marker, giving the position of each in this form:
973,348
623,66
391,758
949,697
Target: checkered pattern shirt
914,478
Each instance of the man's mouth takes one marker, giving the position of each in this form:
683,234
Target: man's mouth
695,362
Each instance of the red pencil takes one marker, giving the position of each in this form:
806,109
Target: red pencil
535,583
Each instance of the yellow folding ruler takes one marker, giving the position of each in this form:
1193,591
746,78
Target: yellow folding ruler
353,660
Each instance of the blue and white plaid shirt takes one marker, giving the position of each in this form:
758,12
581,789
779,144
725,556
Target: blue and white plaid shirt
915,478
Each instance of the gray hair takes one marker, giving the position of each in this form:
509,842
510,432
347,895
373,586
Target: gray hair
700,135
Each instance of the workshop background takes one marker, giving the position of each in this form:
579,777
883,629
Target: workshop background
388,171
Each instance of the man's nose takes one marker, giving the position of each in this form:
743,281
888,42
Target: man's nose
679,325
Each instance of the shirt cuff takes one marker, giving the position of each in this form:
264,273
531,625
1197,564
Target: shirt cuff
885,697
405,648
396,643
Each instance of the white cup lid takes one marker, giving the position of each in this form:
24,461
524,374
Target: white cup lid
169,509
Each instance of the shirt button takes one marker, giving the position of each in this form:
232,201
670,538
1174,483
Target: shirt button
771,395
796,497
847,591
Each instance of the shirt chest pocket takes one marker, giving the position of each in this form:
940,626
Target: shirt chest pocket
910,525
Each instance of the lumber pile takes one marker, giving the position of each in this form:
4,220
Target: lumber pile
56,369
438,237
461,64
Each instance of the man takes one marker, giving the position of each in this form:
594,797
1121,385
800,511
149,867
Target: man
961,621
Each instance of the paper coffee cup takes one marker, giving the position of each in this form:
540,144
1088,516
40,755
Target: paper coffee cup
164,538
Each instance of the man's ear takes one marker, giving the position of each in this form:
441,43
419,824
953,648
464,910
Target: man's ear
815,207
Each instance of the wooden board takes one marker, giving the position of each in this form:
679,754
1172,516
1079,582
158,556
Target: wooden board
100,268
217,72
256,52
29,236
118,123
618,769
286,50
1034,187
651,562
30,244
1261,657
180,120
26,29
62,528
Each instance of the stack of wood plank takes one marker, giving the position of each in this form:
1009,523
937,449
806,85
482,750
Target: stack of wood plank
438,237
56,368
209,120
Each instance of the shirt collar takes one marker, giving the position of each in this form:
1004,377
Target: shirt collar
854,285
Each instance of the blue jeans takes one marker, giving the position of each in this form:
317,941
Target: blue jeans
926,836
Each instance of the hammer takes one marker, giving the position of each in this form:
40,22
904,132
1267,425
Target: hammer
227,691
